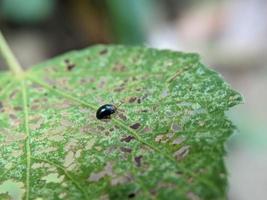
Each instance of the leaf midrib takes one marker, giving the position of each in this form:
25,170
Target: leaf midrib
28,137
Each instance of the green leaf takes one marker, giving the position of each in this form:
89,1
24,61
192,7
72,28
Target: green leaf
165,141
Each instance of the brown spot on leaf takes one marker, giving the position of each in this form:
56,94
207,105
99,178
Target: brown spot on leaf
16,108
13,116
106,133
35,124
13,94
159,138
134,78
127,139
192,196
181,153
178,141
132,99
102,83
147,129
101,128
66,123
126,150
175,127
103,52
118,89
87,80
107,171
35,107
119,68
135,126
121,179
137,160
104,197
50,81
122,116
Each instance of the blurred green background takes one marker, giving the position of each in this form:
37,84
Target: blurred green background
230,35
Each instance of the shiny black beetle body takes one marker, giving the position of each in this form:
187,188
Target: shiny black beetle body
104,112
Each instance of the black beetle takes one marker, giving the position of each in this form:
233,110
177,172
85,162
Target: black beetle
104,112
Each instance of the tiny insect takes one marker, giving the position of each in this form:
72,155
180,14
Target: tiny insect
104,112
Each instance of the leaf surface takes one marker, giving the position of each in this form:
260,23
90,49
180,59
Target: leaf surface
165,141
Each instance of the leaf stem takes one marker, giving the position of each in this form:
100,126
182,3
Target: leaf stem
9,57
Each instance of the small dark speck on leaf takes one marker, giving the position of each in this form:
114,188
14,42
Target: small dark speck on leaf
127,139
104,51
134,78
138,100
70,67
135,126
126,150
131,195
106,133
66,60
137,160
144,110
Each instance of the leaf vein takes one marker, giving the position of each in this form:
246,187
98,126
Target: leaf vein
28,138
